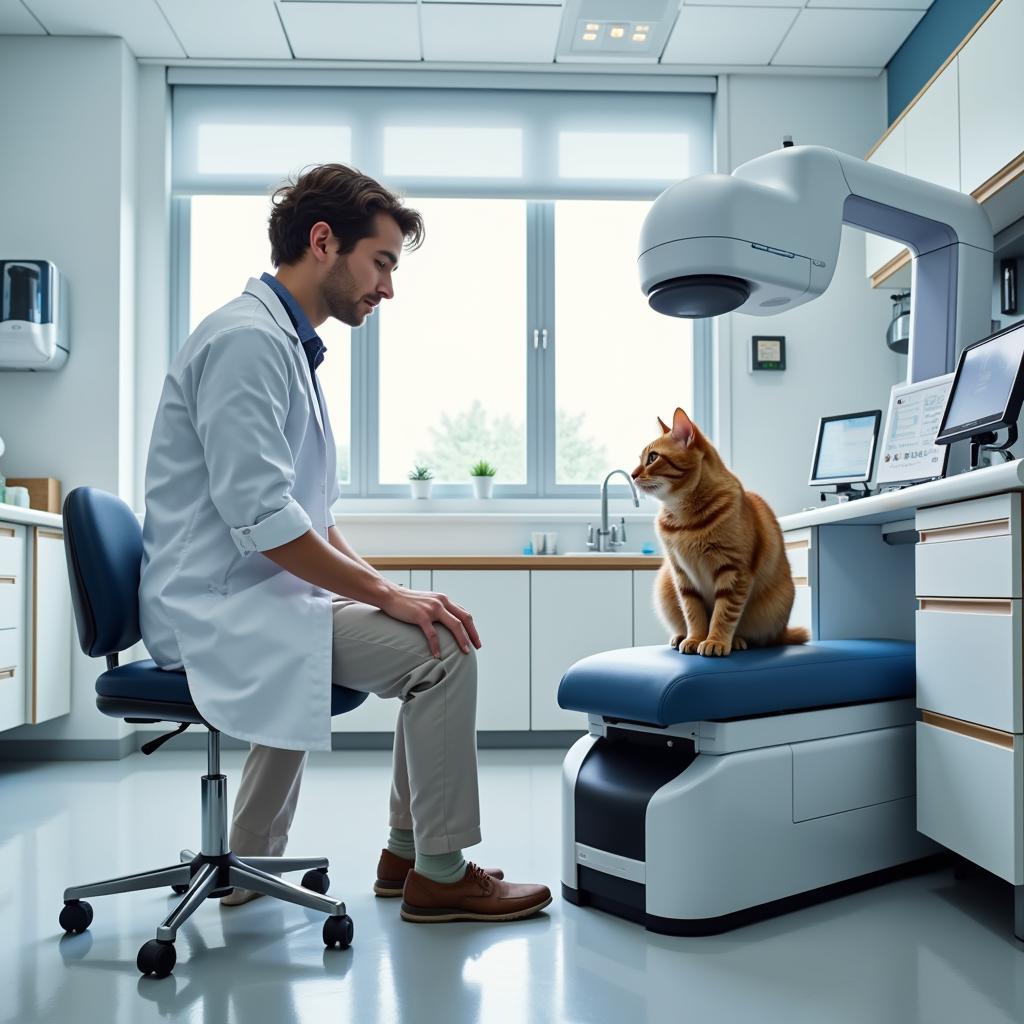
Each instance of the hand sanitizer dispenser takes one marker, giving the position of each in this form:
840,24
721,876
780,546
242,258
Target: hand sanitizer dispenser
33,324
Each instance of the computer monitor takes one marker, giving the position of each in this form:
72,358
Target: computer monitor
987,392
909,454
844,452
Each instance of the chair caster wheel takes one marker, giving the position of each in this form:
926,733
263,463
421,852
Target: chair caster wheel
76,916
179,889
156,958
338,932
316,880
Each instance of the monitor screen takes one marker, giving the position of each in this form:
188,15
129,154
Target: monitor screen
845,452
984,382
909,452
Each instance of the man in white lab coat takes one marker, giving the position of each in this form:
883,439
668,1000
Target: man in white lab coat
248,584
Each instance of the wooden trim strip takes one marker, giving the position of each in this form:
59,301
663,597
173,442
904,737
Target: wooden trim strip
800,581
49,534
8,673
797,545
967,531
927,85
6,531
1003,177
975,732
897,263
8,579
966,605
531,563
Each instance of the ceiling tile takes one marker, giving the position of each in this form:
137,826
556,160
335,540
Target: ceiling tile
877,5
15,20
490,32
845,38
746,3
352,31
506,3
228,28
140,23
727,35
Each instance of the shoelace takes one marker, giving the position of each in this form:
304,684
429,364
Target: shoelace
481,878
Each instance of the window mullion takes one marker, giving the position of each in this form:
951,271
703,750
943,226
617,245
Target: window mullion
547,417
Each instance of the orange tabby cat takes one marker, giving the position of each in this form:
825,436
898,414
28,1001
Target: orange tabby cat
725,583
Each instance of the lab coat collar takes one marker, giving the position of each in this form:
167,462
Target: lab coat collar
274,305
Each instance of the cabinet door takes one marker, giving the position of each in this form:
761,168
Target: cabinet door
51,629
933,132
573,614
891,153
991,79
374,714
648,629
500,605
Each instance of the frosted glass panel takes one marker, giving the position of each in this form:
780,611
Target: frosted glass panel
275,149
453,152
652,156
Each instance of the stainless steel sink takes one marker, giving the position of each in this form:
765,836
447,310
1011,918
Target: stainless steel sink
601,554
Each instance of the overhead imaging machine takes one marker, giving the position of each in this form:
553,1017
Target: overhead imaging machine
712,790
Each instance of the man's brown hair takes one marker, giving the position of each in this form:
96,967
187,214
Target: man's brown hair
341,197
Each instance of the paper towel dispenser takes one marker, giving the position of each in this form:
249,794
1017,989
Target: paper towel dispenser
33,321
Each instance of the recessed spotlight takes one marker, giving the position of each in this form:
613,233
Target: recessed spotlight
593,26
641,28
617,32
589,37
639,37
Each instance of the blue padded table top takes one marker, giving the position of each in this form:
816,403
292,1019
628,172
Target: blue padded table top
660,686
143,681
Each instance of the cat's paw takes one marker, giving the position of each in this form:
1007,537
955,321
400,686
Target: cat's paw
685,644
714,648
739,644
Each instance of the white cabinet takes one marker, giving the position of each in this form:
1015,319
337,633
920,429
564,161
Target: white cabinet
49,659
933,132
648,629
891,153
499,602
991,80
573,614
12,626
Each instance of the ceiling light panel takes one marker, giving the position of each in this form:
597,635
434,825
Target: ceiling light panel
845,38
140,23
632,31
725,36
227,29
490,32
352,31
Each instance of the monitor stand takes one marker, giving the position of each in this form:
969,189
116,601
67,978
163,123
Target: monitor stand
986,443
846,492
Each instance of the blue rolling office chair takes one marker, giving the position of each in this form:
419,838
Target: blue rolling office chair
103,544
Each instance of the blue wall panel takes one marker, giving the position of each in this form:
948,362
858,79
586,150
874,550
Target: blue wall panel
936,36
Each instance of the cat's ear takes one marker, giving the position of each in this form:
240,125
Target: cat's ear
664,429
683,429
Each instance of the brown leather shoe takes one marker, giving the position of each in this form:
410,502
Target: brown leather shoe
477,897
392,870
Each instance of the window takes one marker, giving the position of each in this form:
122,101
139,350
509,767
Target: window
518,333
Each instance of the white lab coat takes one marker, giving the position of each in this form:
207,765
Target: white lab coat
242,459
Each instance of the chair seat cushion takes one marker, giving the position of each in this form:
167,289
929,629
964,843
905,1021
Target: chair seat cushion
140,689
660,686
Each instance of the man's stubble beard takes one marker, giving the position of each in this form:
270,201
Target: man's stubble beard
342,297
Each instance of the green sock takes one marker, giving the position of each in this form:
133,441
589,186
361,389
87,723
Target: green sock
442,867
400,843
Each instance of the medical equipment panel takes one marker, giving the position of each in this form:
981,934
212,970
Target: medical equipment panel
909,454
844,450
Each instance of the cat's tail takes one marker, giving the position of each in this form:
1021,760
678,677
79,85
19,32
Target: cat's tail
794,635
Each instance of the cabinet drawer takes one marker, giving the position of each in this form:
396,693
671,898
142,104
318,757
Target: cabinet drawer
969,660
974,566
12,549
12,682
968,794
12,594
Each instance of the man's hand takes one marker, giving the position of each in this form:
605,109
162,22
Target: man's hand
423,608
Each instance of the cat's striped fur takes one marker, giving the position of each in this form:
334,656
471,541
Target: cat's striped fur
725,583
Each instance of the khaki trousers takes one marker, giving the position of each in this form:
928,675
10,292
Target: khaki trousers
434,779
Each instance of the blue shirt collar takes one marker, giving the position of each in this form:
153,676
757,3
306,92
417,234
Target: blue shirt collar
303,327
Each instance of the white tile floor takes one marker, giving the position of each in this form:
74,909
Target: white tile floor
928,949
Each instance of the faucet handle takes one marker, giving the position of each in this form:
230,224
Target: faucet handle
590,537
622,529
613,540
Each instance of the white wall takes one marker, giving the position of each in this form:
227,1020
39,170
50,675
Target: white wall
68,178
836,356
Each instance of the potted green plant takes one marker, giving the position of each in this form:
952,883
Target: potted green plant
420,480
482,474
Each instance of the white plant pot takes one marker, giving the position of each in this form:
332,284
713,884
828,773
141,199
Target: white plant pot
420,488
482,486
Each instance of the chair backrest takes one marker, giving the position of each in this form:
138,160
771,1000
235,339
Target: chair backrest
103,545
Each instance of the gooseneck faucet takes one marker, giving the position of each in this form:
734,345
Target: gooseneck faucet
610,538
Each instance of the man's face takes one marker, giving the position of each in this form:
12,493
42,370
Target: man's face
358,280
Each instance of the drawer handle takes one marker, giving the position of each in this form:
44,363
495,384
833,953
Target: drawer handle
968,531
797,545
8,579
966,605
6,531
975,732
7,673
799,581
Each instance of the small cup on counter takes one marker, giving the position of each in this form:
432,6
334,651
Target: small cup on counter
16,496
537,541
550,543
